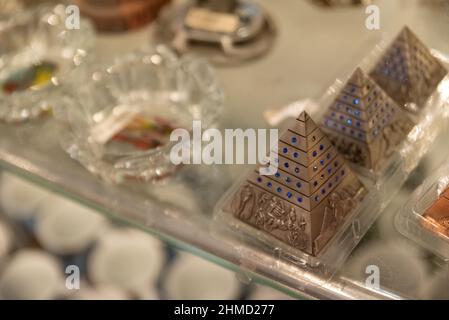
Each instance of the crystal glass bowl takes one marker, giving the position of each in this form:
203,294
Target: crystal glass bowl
118,121
38,53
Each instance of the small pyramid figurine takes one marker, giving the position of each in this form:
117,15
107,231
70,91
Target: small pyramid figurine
408,72
309,197
364,124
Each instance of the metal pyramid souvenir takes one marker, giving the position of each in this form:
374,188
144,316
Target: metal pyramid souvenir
364,123
408,72
309,197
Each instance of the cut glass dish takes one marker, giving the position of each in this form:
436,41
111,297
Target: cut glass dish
39,52
118,121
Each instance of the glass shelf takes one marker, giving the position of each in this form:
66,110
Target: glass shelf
179,210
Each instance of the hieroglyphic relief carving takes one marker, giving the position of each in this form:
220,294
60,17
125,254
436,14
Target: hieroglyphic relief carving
297,236
270,213
246,203
393,135
339,204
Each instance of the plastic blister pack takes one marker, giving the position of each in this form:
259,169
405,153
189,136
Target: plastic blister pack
253,243
427,118
310,221
425,217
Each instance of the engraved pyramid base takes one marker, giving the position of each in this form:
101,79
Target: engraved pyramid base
334,244
308,231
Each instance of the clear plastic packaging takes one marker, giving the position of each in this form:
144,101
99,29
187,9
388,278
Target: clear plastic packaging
255,244
425,217
382,185
117,121
428,122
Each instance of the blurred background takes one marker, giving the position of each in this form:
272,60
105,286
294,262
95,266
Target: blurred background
54,248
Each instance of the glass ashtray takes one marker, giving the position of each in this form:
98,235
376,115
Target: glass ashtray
39,51
118,121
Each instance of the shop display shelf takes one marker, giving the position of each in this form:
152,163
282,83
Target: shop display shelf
179,210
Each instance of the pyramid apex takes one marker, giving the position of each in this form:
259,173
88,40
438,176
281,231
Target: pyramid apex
304,124
303,116
406,33
357,78
406,30
359,71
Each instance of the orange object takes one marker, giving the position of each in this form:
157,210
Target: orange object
436,218
120,15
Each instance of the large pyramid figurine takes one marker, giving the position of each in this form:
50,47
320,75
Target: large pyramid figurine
312,193
364,123
408,72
